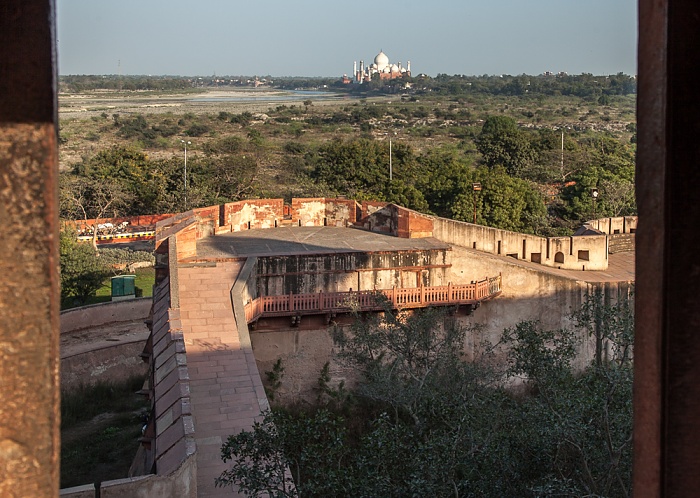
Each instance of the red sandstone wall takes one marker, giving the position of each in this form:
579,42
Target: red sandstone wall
258,213
309,212
411,224
341,212
187,242
134,221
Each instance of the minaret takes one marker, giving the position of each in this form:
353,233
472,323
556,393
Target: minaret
354,69
408,66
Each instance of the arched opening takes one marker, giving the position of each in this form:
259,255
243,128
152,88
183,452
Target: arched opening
559,257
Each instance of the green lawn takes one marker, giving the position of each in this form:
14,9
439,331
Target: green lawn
145,278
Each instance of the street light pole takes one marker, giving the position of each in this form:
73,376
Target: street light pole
594,194
390,167
476,187
186,144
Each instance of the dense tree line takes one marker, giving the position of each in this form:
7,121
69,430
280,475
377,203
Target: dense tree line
584,85
424,422
526,186
123,181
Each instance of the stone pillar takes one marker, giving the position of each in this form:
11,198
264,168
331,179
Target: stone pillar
29,279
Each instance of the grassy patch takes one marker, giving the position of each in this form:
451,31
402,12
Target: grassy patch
145,278
85,402
100,428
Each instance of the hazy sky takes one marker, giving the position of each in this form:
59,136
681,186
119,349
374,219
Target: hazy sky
323,38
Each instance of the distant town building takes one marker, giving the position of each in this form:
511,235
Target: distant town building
381,66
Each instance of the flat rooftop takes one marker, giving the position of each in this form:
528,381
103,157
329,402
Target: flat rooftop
285,241
307,240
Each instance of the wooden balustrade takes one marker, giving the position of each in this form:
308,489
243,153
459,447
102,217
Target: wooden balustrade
343,302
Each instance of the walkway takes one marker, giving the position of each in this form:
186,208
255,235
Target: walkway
346,302
225,387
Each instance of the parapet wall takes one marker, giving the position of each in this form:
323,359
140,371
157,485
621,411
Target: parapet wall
380,217
613,226
141,221
588,252
97,315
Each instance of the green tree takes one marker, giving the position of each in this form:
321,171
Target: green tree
433,424
501,143
82,271
91,199
503,202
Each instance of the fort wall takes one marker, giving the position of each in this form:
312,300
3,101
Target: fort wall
113,356
587,252
529,294
96,315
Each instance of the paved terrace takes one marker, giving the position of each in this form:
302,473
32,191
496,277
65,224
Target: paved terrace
226,390
307,240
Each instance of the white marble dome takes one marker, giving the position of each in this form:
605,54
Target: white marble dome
381,60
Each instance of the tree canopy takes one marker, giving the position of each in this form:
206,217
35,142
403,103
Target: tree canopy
425,422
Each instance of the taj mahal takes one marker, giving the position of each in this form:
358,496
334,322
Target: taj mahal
381,66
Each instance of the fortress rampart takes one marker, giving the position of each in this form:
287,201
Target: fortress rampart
193,252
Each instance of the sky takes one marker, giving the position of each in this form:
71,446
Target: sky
323,38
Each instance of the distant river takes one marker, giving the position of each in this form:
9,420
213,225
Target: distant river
276,96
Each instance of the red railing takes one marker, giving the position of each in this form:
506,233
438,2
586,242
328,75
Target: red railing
417,297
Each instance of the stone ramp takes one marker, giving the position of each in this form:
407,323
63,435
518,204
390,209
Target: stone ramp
226,390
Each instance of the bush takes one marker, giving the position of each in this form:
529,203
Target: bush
119,257
197,130
82,272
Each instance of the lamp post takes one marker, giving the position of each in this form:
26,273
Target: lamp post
186,144
476,187
594,194
391,169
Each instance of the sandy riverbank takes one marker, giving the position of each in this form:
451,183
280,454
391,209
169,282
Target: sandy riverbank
86,105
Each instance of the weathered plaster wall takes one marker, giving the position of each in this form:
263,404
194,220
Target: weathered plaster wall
617,225
342,212
309,212
379,217
300,274
528,294
260,213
